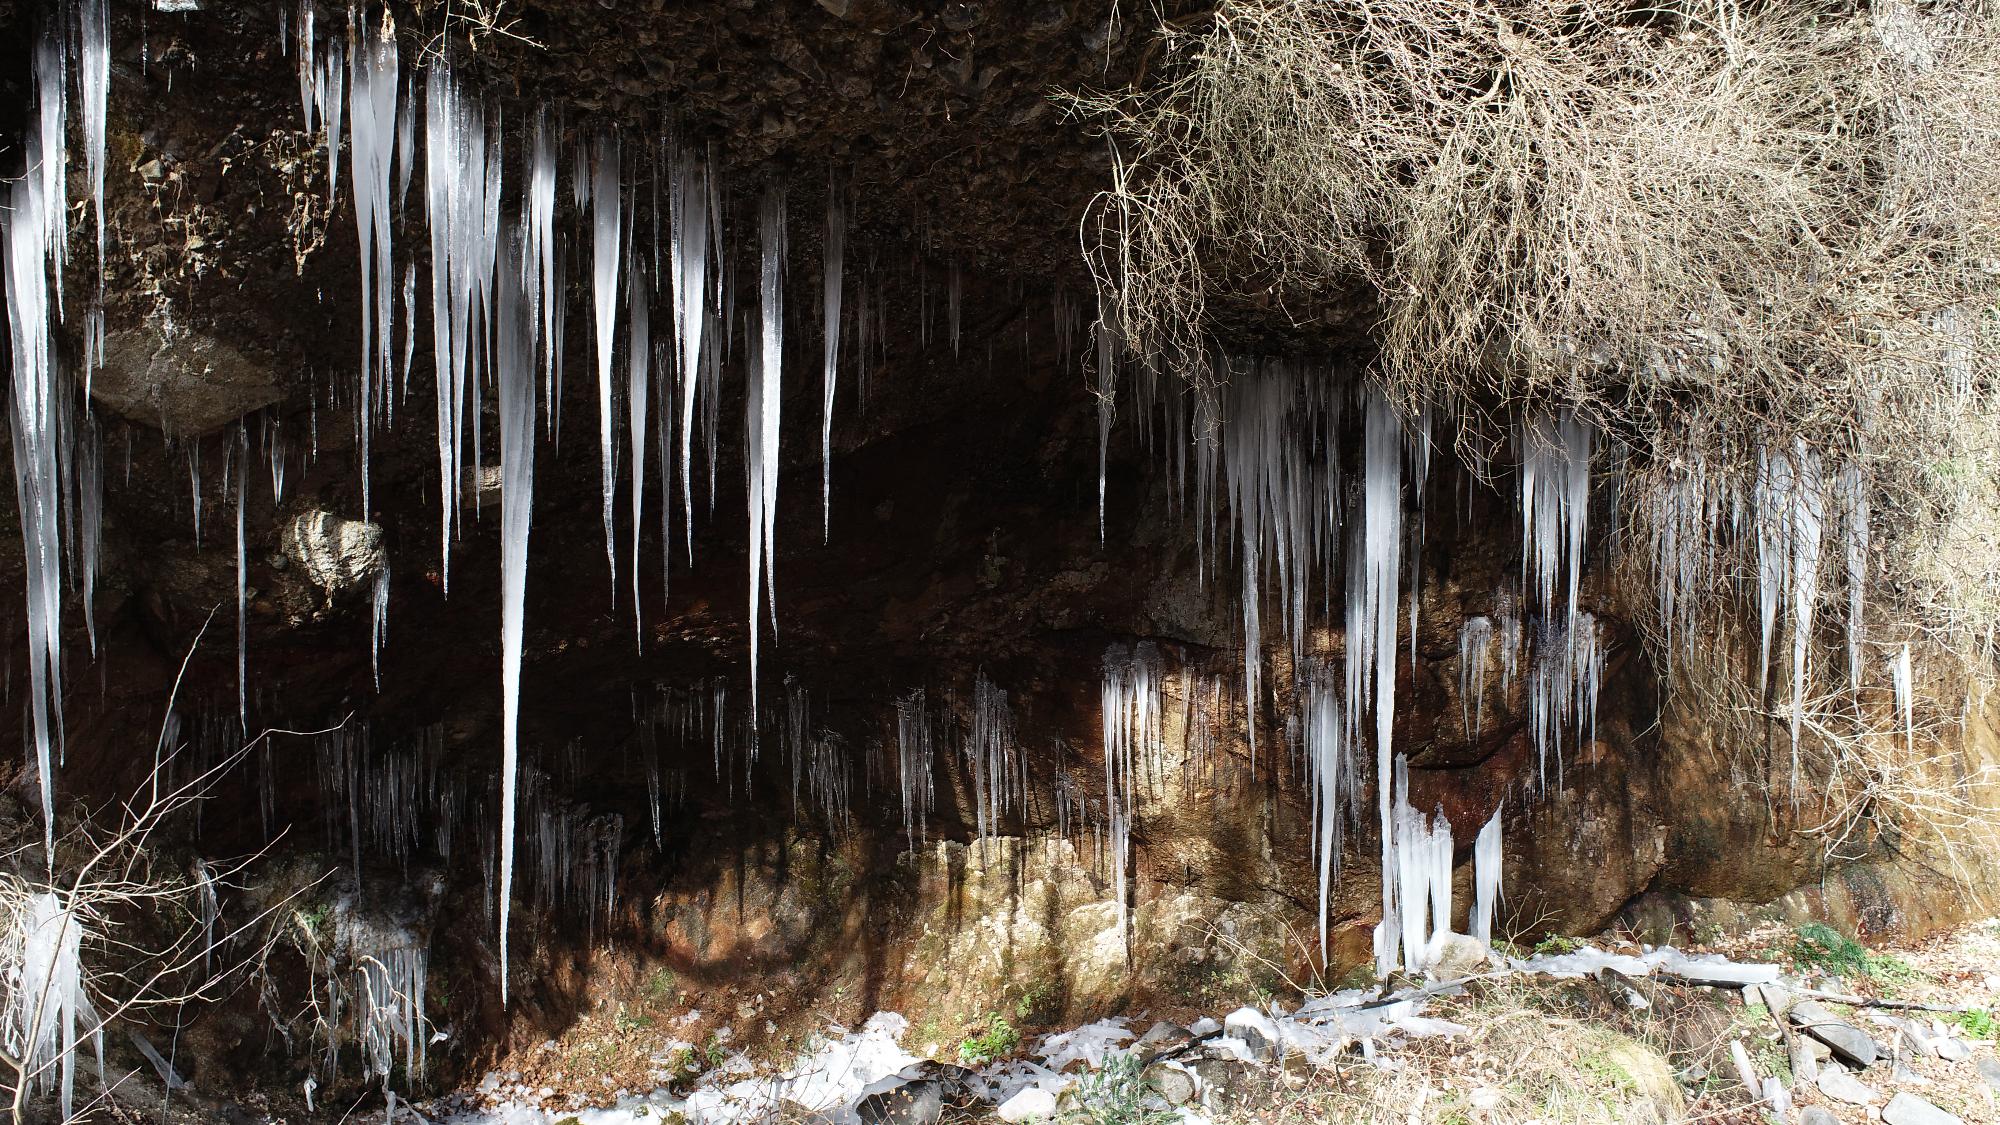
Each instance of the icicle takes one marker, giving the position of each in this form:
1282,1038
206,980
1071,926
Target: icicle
913,760
1422,875
44,997
1473,640
94,86
25,226
761,422
1131,712
375,81
378,632
1772,500
1904,680
954,297
540,235
1855,493
1486,879
242,584
1808,520
639,349
462,191
836,246
1107,393
688,208
607,212
1374,574
90,519
515,356
1325,723
1555,506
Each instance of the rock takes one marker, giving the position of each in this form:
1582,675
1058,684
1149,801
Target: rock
1172,1082
337,554
1849,1042
1775,997
1951,1050
1836,1083
1256,1031
905,1102
1163,1037
1814,1115
1031,1104
1989,1069
1457,955
183,383
1909,1109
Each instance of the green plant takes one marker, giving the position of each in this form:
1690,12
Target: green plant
1819,946
998,1040
1978,1023
660,985
714,1052
1557,943
1117,1094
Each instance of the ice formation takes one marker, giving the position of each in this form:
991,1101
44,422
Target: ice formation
638,353
762,407
607,216
373,85
1486,876
44,1002
515,370
1132,714
913,761
836,250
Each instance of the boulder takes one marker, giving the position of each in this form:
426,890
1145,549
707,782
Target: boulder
918,1101
183,383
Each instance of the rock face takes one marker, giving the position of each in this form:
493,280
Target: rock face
965,544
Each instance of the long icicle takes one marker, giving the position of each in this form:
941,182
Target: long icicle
371,114
606,205
639,350
763,402
688,206
515,341
836,247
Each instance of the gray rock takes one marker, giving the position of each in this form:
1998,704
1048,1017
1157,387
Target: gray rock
1163,1036
1989,1069
337,554
1849,1042
1814,1115
908,1102
1173,1083
1909,1109
1951,1050
1777,998
183,383
1836,1083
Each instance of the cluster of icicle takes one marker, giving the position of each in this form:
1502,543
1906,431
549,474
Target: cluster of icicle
57,465
497,312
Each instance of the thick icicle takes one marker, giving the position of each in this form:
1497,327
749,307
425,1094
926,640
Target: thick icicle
371,111
1904,680
688,210
639,351
1374,576
25,226
378,630
1555,507
761,420
1131,712
93,87
607,214
1325,723
1486,879
1808,524
462,191
836,248
515,367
